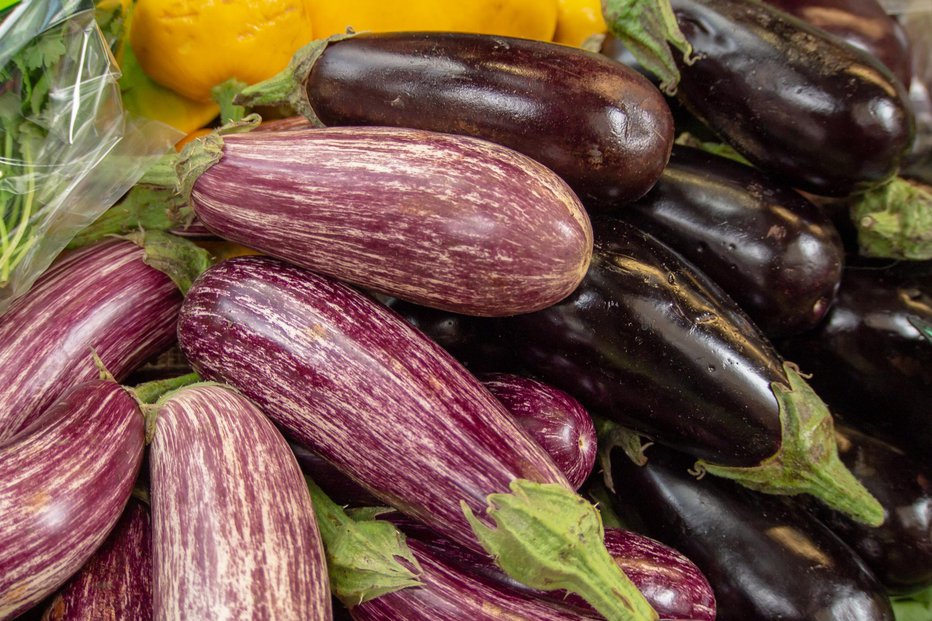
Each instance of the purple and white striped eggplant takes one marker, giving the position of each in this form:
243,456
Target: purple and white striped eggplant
351,380
102,298
233,531
445,221
64,482
116,584
554,419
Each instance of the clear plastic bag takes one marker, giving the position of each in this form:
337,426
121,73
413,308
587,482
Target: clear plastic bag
68,151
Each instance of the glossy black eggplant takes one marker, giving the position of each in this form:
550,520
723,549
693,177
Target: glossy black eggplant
764,558
870,360
771,250
798,103
899,552
601,126
861,23
651,343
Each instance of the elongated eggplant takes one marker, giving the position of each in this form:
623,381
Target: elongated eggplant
554,419
799,104
234,534
64,481
764,558
771,250
333,482
870,359
352,381
116,583
601,126
651,343
103,298
864,24
899,552
445,221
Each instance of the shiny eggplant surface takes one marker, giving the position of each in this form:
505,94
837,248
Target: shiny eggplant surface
771,250
765,559
802,105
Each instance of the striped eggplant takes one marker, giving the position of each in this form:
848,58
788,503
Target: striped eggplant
351,380
64,482
601,126
116,583
233,531
445,221
554,419
102,298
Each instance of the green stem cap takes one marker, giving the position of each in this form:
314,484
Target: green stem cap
548,537
894,221
179,259
150,392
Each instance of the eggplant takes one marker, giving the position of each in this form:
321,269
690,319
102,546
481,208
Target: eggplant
116,583
870,360
332,481
764,558
233,530
554,419
446,221
103,299
864,24
899,553
64,482
801,105
649,342
601,126
350,380
775,253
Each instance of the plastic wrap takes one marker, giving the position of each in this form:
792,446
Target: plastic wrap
68,151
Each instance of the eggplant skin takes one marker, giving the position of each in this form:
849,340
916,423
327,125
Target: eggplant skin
102,298
116,583
775,253
899,552
64,482
764,558
598,124
233,530
799,104
445,221
651,343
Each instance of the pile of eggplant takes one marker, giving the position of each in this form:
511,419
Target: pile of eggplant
502,346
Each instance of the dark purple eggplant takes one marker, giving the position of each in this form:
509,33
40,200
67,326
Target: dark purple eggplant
233,530
799,104
116,583
601,126
351,380
861,23
764,558
554,419
103,299
771,250
899,552
870,360
64,482
446,221
651,343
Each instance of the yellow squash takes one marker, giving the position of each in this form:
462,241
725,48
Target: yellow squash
190,46
578,20
530,19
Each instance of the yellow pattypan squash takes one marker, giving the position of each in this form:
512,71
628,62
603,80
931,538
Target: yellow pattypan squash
578,20
530,19
190,46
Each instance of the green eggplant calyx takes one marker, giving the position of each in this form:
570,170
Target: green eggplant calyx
894,221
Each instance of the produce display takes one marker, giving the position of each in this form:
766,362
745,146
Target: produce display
504,309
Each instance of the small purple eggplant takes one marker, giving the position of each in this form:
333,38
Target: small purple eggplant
233,531
64,482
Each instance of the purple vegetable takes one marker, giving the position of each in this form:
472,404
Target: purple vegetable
64,482
102,298
116,584
446,221
553,418
234,534
334,483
